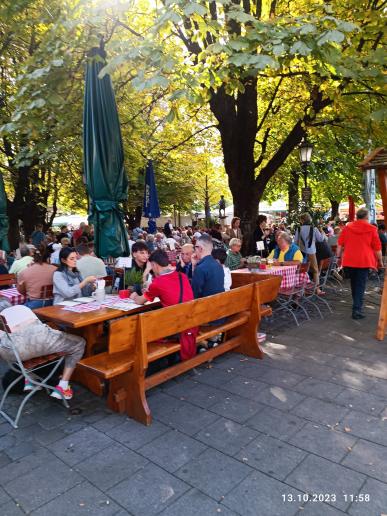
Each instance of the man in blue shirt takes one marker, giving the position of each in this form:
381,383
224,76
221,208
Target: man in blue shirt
208,275
207,279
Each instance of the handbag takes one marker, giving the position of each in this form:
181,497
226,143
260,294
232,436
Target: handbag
187,338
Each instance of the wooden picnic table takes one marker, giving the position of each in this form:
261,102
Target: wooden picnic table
88,325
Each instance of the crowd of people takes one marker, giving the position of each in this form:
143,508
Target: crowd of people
65,265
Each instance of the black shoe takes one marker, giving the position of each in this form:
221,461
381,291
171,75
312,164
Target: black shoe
357,316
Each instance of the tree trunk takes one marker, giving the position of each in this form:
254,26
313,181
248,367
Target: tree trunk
334,208
293,194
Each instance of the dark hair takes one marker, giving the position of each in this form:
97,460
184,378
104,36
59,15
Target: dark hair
160,257
139,246
63,255
83,249
42,254
219,254
234,220
362,214
63,227
382,226
260,219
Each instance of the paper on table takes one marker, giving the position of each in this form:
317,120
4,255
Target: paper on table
86,299
68,303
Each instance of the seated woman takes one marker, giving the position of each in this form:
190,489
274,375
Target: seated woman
32,279
34,339
286,250
68,282
234,258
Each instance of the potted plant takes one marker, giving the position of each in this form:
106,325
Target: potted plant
133,280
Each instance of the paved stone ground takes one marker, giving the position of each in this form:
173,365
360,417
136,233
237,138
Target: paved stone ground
302,432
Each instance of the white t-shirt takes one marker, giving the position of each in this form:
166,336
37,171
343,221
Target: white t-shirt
227,278
18,317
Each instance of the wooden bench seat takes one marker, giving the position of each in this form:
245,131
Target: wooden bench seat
108,365
138,340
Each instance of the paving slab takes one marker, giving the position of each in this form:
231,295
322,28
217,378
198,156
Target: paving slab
237,408
195,503
42,485
76,447
369,458
271,456
260,494
318,476
148,491
276,423
368,427
172,450
323,441
81,499
324,412
226,436
110,466
373,502
213,473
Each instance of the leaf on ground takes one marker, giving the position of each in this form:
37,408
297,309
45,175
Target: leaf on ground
347,429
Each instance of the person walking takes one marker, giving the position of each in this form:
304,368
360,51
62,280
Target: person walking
306,237
360,247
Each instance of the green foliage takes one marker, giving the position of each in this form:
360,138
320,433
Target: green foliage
133,277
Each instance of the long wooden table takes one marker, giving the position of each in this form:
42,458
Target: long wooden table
88,325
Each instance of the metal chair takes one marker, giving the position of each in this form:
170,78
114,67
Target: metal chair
289,299
311,295
25,369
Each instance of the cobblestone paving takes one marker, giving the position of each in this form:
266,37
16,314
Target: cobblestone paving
302,432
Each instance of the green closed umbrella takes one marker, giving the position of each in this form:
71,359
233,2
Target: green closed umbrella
4,244
106,180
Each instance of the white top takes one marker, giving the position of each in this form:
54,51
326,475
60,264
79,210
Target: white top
18,317
227,278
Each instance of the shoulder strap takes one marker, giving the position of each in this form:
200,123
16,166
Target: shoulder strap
181,288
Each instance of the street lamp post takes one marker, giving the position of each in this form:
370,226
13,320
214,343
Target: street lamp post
306,149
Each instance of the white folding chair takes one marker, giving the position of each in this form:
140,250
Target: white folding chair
27,369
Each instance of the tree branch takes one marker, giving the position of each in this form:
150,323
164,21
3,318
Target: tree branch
185,140
269,105
263,145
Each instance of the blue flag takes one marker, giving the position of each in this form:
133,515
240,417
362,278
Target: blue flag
150,207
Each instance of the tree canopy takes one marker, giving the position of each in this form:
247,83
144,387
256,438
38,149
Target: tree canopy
195,81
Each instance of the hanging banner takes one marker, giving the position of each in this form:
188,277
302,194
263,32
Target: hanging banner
370,193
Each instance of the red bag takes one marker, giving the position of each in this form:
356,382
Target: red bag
188,343
187,338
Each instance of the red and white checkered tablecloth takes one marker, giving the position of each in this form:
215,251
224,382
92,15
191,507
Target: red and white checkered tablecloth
288,273
13,296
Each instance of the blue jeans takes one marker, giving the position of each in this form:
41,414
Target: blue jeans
358,277
38,303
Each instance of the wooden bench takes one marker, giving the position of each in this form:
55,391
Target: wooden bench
134,342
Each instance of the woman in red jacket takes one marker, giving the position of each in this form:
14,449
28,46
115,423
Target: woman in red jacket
360,245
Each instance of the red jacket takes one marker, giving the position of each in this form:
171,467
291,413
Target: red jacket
360,241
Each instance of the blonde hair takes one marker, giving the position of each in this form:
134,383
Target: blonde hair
235,241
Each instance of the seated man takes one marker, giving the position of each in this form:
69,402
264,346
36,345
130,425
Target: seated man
208,274
185,263
89,265
25,260
140,254
286,250
220,256
165,284
234,258
171,287
32,339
